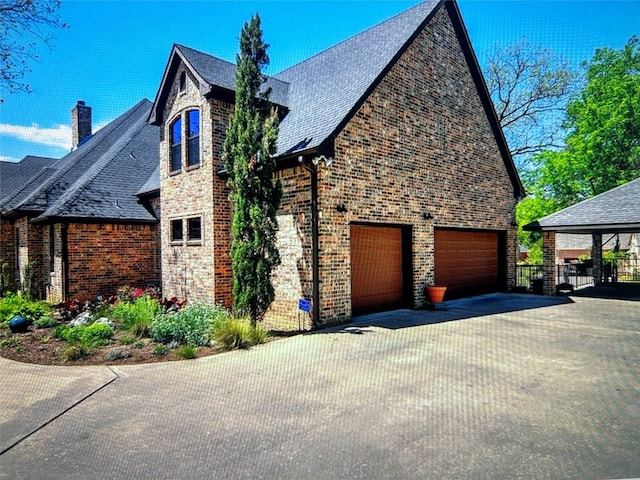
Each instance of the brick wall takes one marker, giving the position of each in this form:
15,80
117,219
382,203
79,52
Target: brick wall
293,280
549,262
104,257
420,143
196,270
7,246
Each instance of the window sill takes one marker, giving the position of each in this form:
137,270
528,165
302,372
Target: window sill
175,172
192,167
194,243
176,243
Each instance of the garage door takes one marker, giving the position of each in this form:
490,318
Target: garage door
376,268
467,262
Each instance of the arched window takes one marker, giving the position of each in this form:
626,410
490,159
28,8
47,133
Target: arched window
193,145
176,145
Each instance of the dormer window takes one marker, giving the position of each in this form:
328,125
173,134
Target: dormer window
183,82
193,145
176,145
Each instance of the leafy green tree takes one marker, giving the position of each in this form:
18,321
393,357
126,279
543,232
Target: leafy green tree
248,151
604,122
23,25
602,146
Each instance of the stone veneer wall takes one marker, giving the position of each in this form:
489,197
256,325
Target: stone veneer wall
420,143
196,270
103,257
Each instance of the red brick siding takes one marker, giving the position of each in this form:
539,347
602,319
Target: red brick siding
8,247
104,257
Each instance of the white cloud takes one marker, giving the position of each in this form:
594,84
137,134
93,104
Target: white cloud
58,136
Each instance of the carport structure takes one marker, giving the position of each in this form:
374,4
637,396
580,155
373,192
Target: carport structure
614,211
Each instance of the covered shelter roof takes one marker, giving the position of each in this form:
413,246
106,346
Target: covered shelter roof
614,211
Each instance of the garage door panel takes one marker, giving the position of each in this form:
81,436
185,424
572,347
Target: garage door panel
376,267
466,261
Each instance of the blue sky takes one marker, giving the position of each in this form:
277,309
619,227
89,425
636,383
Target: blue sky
114,53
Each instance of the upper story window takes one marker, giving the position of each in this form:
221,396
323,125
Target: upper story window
183,81
193,146
176,145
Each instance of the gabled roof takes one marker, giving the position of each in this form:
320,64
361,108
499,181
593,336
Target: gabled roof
100,179
15,175
614,211
325,91
214,75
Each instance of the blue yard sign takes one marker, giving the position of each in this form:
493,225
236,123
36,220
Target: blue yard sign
304,305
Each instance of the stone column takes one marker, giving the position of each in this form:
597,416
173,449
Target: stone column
596,257
549,262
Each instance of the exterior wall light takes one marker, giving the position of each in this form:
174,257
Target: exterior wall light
342,208
427,216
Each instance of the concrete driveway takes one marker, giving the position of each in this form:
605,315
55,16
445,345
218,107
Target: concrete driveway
499,386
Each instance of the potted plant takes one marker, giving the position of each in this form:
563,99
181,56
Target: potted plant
435,293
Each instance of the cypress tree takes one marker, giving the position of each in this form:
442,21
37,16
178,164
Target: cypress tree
248,153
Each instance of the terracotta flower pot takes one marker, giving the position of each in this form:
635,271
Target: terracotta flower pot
435,293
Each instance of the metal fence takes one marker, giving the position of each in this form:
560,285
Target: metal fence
575,274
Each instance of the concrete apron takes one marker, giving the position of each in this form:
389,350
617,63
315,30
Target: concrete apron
32,396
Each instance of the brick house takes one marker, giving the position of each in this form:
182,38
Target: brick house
79,220
395,172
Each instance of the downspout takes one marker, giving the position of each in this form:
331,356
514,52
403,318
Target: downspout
65,261
315,242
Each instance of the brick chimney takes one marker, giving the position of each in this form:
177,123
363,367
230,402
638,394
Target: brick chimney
80,124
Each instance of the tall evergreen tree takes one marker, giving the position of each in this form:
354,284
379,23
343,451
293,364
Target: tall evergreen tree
248,152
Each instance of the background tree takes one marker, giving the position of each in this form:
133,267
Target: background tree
23,25
248,151
602,144
530,88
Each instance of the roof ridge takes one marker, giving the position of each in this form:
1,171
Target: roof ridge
352,38
103,162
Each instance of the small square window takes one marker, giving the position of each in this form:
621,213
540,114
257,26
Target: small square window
176,230
194,229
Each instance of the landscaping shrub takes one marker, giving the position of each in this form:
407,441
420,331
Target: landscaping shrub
136,317
187,351
45,322
190,326
238,333
73,352
13,305
94,335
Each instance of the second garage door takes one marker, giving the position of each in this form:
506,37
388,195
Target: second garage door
376,267
467,262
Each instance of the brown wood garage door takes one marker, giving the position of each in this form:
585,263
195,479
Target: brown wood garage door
467,262
376,267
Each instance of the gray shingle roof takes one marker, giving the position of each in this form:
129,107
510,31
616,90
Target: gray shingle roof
100,179
220,73
14,176
152,185
325,88
616,210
